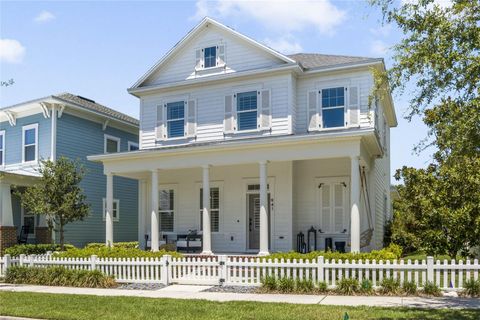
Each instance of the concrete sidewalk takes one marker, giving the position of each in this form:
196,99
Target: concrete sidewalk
195,292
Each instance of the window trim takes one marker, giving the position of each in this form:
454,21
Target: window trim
204,60
117,201
237,124
166,121
131,143
24,129
345,105
107,137
213,184
2,137
162,187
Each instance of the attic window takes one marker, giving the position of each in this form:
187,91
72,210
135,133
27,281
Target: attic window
210,57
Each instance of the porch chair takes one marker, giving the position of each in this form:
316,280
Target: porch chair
23,237
191,242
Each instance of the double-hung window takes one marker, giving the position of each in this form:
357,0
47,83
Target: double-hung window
115,211
111,144
247,110
175,119
210,57
214,209
333,107
30,143
2,148
132,146
166,209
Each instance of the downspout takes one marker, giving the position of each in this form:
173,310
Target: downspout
53,147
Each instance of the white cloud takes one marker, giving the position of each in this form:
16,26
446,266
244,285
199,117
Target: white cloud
378,47
382,31
11,51
280,15
44,16
284,45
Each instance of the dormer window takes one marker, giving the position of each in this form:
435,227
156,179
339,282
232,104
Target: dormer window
210,57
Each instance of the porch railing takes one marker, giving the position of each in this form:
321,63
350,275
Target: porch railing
225,270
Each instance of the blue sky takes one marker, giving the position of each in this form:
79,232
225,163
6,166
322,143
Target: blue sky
99,49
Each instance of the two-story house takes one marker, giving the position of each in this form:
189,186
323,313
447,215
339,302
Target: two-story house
74,127
251,147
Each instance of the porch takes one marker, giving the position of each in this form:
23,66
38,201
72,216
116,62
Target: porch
261,197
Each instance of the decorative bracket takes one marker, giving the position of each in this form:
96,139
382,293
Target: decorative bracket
105,124
44,107
12,117
60,111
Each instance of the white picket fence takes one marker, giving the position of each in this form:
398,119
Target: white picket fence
249,271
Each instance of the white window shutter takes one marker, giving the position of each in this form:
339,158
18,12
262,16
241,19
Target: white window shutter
229,118
160,126
191,119
265,110
199,59
339,207
312,111
353,106
325,208
221,55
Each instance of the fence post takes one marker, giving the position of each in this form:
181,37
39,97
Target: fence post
49,255
320,269
30,260
6,263
22,257
93,262
222,263
166,259
430,271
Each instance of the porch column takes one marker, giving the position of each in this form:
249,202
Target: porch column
6,214
154,216
109,213
207,235
263,210
354,205
142,212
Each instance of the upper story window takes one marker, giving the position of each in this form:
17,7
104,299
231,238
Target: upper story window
30,143
2,148
132,146
111,144
247,110
175,119
210,57
333,107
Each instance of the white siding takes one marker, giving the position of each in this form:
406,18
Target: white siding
362,79
239,55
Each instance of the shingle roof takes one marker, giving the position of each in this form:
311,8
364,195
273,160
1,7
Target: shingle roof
94,106
316,60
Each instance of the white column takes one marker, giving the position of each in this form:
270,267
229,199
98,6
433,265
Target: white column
53,140
6,214
354,205
109,213
207,235
263,210
154,217
142,186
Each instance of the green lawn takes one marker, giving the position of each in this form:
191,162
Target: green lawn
51,306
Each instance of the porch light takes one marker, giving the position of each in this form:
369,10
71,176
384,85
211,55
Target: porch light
312,239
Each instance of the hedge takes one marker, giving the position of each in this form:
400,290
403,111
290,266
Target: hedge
58,276
114,252
391,252
28,249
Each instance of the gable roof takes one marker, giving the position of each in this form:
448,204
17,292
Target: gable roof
197,29
318,61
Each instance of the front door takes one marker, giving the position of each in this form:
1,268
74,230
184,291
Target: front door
253,212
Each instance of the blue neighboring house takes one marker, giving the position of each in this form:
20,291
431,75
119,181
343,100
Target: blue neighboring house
71,126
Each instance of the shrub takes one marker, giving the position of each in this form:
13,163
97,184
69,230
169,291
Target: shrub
348,286
28,249
114,252
366,286
472,288
286,285
431,289
409,287
304,285
390,286
126,245
269,283
58,276
322,287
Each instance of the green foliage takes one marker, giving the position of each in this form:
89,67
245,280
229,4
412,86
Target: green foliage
322,287
409,287
304,285
431,289
286,285
390,286
392,252
114,252
28,249
58,276
269,283
472,288
366,286
58,194
348,286
126,245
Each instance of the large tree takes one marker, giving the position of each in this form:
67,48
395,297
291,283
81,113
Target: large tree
58,195
438,56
